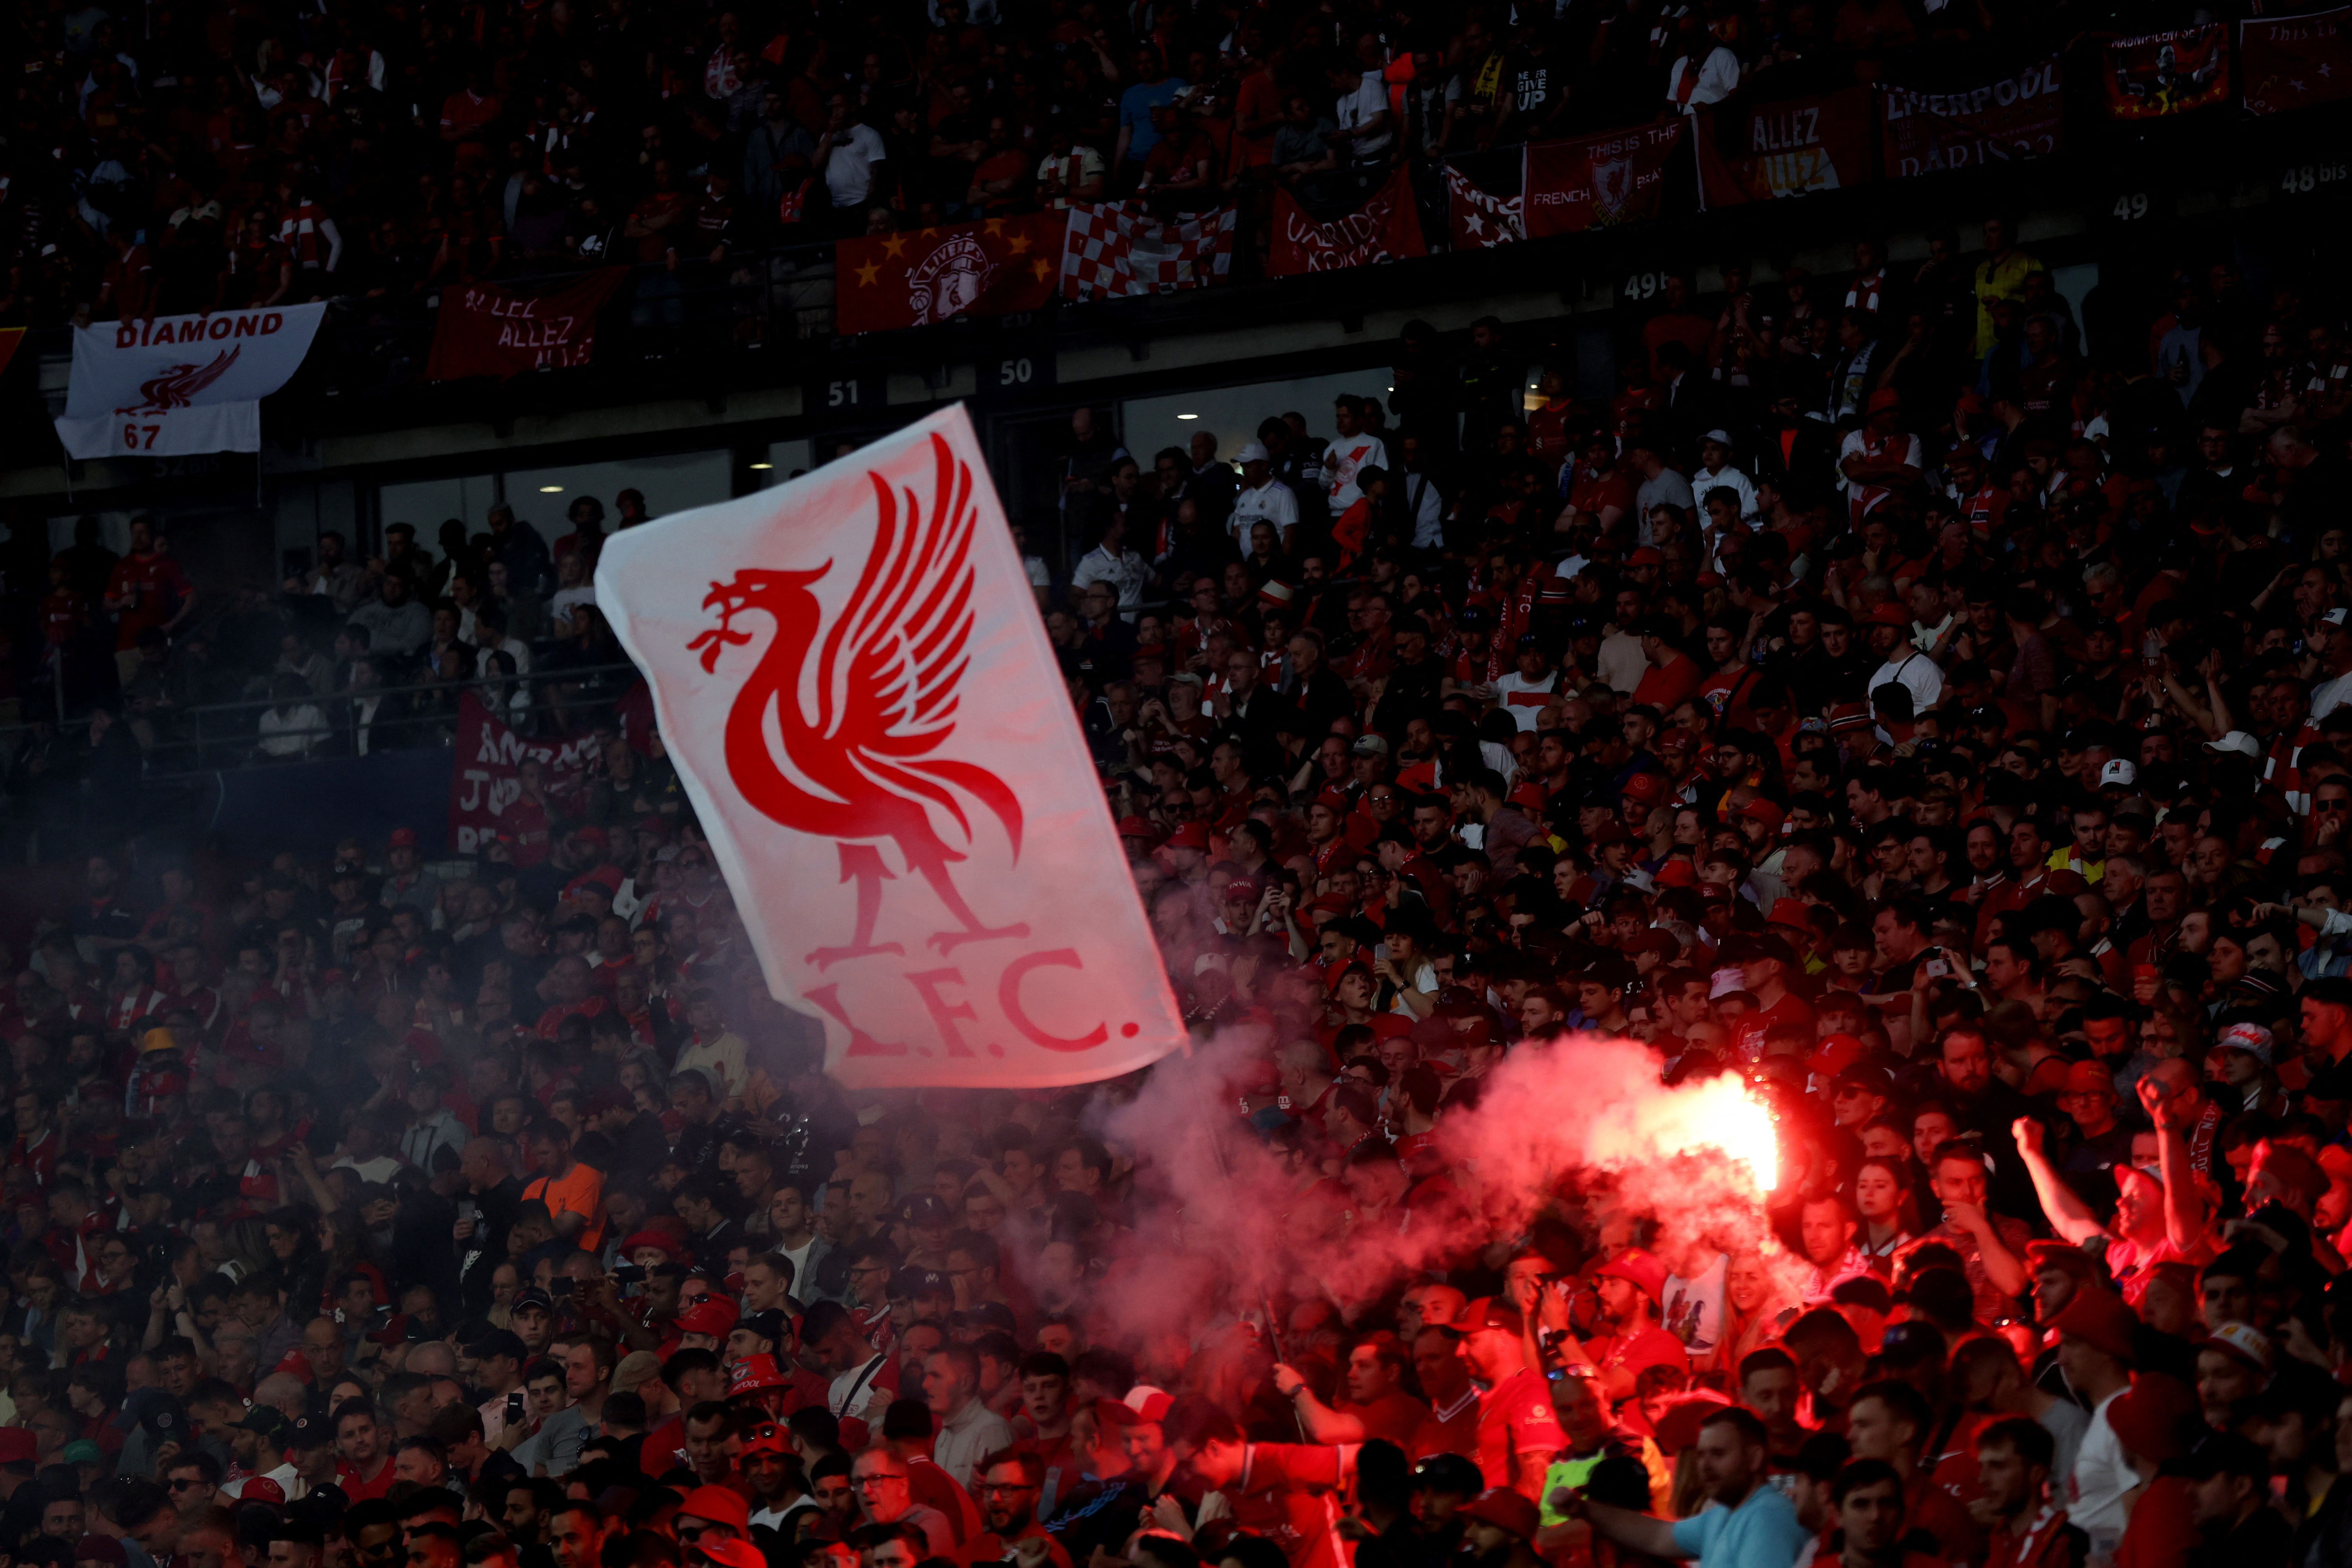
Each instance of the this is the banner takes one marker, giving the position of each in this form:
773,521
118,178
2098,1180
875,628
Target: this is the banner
2160,74
2287,62
863,707
992,268
10,337
488,800
178,386
484,330
1761,152
2006,120
1476,218
1114,250
1597,182
1387,227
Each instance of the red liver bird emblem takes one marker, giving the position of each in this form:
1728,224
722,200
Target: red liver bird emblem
178,387
863,768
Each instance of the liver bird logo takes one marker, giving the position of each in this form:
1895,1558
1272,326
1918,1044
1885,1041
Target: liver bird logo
863,769
178,387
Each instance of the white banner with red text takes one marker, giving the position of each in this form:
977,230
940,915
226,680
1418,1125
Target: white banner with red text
178,386
852,680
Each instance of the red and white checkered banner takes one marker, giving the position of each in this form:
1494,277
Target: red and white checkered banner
1117,250
1479,217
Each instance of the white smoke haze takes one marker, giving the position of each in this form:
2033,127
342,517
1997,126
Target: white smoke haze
1582,1127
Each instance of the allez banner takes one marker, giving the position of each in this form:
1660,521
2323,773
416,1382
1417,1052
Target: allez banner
179,385
1114,250
2006,120
1387,227
483,330
1476,218
2287,62
2160,74
1761,152
1598,182
863,708
992,268
486,797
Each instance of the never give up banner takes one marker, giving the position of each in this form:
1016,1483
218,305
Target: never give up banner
853,681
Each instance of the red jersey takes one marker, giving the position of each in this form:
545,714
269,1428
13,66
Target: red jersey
1515,1418
155,585
1291,1493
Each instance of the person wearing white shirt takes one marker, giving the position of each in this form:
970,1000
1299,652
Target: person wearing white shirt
1261,499
1363,113
1422,503
1890,638
1714,470
1113,563
847,153
1350,451
1712,80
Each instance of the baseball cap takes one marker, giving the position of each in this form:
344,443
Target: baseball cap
2121,772
754,1374
266,1419
1489,1312
1369,746
1720,437
769,1324
261,1489
2100,1320
1641,1267
2245,1342
726,1552
2251,1038
1191,836
2088,1077
2151,1415
712,1315
308,1432
532,1299
404,838
1252,452
720,1505
2236,741
1505,1510
913,1282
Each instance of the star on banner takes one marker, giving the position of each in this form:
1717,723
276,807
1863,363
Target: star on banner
896,245
867,272
1017,244
1040,268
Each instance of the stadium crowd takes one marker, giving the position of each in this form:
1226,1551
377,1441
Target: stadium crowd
201,157
1939,730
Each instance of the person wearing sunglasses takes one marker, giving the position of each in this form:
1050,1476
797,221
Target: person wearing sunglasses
711,1514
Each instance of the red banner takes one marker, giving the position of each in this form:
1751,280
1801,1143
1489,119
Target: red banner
2004,122
992,268
9,337
1385,228
2286,62
1792,148
2160,74
488,796
487,330
1597,182
1476,218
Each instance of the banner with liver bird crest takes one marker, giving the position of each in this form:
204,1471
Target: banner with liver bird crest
172,386
852,680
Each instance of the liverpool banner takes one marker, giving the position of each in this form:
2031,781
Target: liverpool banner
992,268
1385,228
1597,182
487,799
2002,122
1476,218
864,711
1791,148
2159,74
487,330
2286,62
1112,250
178,386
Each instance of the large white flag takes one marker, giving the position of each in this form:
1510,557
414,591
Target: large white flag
852,680
179,385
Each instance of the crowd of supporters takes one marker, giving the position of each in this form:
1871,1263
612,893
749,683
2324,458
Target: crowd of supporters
1920,696
202,157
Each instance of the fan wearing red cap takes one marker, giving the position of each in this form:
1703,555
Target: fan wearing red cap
1518,1432
2095,1350
1632,1288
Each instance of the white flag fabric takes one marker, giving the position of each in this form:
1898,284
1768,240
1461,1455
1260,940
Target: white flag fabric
178,386
852,680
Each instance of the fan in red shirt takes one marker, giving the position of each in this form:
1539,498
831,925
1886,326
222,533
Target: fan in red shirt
1766,963
1629,1287
147,589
